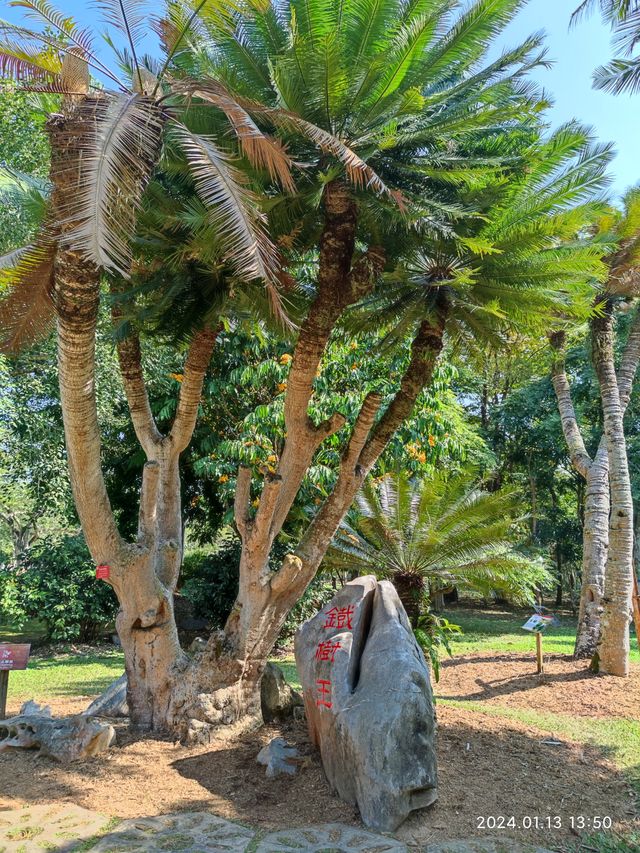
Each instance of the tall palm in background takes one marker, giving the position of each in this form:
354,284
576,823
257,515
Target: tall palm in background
431,534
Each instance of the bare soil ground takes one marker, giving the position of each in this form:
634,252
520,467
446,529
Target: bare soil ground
565,687
488,765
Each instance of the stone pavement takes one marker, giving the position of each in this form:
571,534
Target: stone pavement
67,828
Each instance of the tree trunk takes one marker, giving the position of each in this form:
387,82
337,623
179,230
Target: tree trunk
595,529
144,573
595,543
222,685
612,655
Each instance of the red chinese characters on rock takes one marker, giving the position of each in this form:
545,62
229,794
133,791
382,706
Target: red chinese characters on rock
324,693
339,617
327,650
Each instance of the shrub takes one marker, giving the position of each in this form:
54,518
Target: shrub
55,582
209,580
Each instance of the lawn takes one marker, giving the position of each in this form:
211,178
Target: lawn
501,631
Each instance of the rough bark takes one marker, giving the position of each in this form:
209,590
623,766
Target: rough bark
595,471
223,685
143,573
612,655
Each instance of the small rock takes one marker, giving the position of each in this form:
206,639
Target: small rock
198,645
278,699
32,707
277,755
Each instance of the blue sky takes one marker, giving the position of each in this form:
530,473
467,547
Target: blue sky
576,52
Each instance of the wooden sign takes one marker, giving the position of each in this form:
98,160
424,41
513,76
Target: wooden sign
14,655
103,572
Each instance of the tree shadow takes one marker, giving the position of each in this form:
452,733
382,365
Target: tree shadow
520,683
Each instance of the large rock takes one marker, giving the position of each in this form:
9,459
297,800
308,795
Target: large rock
368,702
278,699
111,703
65,739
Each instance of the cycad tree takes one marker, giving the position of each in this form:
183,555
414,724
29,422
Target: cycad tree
403,129
441,531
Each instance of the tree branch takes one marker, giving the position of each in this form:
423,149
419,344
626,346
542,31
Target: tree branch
425,350
148,502
130,360
241,501
191,389
580,459
629,361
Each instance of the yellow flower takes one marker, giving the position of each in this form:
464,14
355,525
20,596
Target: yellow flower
271,457
432,441
286,358
256,503
354,367
421,457
177,376
223,478
353,345
282,386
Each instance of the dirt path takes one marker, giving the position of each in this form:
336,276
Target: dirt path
488,765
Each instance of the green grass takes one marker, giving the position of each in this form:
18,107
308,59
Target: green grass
32,632
66,675
501,631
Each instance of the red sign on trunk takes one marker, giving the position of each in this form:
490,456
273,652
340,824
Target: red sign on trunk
14,655
103,572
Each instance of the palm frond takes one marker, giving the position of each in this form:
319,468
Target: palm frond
26,287
233,209
115,162
262,151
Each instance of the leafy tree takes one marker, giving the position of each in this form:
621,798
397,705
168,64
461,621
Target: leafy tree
409,136
24,162
54,582
607,575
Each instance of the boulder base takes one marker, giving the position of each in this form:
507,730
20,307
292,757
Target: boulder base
368,702
278,699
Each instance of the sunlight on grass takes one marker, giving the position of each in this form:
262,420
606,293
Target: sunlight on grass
66,675
502,632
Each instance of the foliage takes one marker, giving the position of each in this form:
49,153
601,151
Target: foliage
435,533
209,579
433,633
621,74
55,582
24,156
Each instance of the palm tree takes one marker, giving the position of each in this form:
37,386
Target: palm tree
429,535
607,567
623,16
